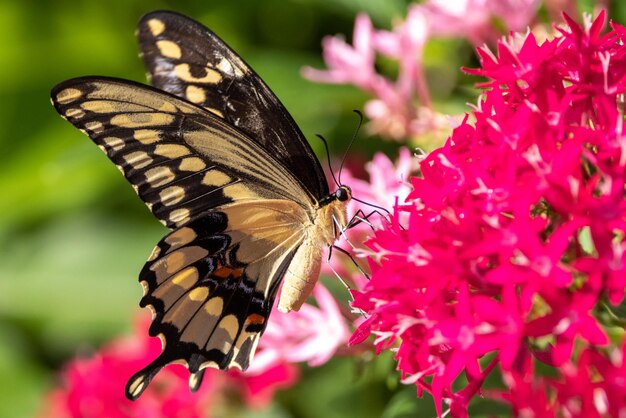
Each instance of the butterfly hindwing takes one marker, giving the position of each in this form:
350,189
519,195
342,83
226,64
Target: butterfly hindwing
186,59
211,285
180,159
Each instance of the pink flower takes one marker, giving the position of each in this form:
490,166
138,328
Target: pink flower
473,19
312,334
348,64
258,386
94,386
401,107
513,236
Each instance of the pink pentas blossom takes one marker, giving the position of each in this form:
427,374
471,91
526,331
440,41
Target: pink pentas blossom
473,19
312,334
400,107
347,63
94,386
513,235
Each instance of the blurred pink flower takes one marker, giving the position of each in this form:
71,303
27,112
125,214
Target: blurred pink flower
474,19
348,64
400,108
258,386
492,258
94,386
310,335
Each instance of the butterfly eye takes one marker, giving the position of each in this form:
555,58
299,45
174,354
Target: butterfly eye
343,193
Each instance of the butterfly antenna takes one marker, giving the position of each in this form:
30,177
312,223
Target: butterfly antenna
330,167
356,131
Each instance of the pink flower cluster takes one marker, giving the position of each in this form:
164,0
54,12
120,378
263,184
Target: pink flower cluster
514,243
401,107
94,386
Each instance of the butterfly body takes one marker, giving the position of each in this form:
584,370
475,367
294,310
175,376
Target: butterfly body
216,158
304,269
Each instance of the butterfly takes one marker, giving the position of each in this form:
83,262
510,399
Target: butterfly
217,159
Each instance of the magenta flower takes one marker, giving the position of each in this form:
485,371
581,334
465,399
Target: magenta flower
94,386
514,233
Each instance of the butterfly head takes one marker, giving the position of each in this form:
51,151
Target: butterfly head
343,194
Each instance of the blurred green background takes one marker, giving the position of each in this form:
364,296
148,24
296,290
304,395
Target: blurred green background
73,235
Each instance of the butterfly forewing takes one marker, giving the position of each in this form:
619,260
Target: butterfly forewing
180,159
188,60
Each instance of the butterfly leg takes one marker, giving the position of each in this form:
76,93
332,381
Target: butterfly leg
343,251
360,217
330,253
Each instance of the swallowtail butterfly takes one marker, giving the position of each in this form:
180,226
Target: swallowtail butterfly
218,159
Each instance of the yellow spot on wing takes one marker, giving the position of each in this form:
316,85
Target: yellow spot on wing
230,324
136,386
239,191
183,71
181,236
136,120
215,178
199,294
168,107
114,143
138,159
214,306
147,136
186,278
99,106
195,94
171,150
192,164
95,126
156,26
68,95
172,195
169,49
180,216
159,176
74,113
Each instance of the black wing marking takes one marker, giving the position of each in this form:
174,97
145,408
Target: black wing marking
186,59
180,159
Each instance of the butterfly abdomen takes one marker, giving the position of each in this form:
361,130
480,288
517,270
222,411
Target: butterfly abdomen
304,270
301,276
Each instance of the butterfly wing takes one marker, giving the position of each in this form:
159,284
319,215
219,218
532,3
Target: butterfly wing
180,159
186,59
211,285
239,216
